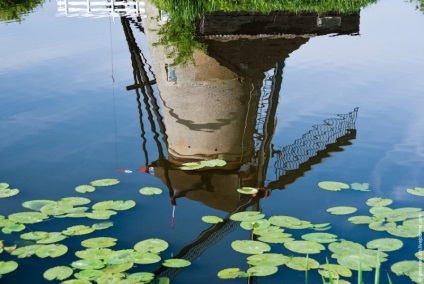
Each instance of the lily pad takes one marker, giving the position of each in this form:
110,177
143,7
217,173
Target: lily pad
420,255
13,228
102,225
385,244
342,210
100,214
231,273
404,267
37,204
121,205
56,208
361,219
4,185
26,251
379,201
145,257
7,266
150,190
85,188
275,238
270,229
306,247
250,247
51,250
360,186
403,231
262,270
191,166
120,256
257,224
382,226
89,274
320,237
145,277
58,273
285,221
104,182
88,264
333,185
417,191
213,163
247,190
117,268
151,245
8,192
52,237
94,253
302,263
103,205
100,242
247,216
176,262
212,219
268,259
28,217
336,268
75,201
78,230
76,281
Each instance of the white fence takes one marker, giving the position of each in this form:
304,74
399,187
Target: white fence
105,8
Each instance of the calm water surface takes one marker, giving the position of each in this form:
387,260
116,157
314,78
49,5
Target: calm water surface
67,118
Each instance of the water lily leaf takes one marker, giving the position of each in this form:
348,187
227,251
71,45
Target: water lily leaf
362,219
404,267
416,275
7,266
51,250
120,256
250,247
378,201
88,264
37,204
258,224
121,205
354,261
78,230
381,226
417,191
100,242
117,268
56,208
320,237
342,210
385,244
360,186
247,216
212,219
268,259
284,221
4,185
303,225
89,274
145,277
391,216
302,263
26,251
262,270
100,214
213,163
150,190
105,182
76,281
247,190
103,205
52,237
151,245
58,273
403,231
232,273
145,257
75,201
414,224
102,225
176,262
306,247
270,229
419,255
333,185
378,211
275,238
94,253
28,217
338,269
345,247
13,228
191,166
85,188
110,278
8,192
6,222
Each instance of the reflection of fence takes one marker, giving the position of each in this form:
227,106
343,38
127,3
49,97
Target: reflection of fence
102,8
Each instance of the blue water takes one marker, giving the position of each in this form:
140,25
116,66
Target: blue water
66,119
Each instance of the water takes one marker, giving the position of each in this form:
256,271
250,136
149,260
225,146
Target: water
67,119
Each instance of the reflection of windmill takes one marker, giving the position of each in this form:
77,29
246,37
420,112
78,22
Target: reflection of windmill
290,162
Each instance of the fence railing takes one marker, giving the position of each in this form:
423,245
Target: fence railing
88,8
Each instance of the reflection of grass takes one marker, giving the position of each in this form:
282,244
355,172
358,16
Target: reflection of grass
13,10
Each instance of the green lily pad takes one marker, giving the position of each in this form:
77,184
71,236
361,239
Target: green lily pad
213,163
382,226
404,232
302,263
336,268
78,230
7,266
150,190
354,261
121,205
4,185
404,267
333,185
85,188
378,201
258,224
212,219
7,192
120,256
232,273
342,210
75,201
191,166
270,229
117,268
100,214
247,216
306,247
36,205
360,186
151,245
104,182
89,274
361,219
285,221
275,238
268,259
56,209
419,255
320,237
100,242
176,262
417,191
28,217
51,250
88,264
385,244
379,211
13,228
94,253
250,247
76,281
58,273
145,277
102,225
145,257
345,247
26,251
262,270
103,205
52,237
247,190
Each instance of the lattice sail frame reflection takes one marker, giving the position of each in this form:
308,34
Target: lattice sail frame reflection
101,8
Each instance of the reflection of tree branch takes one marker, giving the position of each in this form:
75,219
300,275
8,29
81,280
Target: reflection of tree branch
13,10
